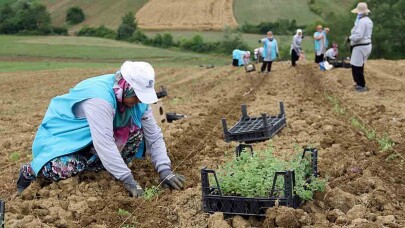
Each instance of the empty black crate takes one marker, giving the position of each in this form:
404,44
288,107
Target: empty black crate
213,200
253,129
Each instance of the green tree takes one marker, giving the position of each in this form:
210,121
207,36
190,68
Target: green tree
127,27
75,15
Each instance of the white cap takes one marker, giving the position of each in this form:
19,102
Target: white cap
141,77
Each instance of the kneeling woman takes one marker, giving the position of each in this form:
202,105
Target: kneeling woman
102,123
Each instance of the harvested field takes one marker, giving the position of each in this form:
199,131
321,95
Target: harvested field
186,14
366,186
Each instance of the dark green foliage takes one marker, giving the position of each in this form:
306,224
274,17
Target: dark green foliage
281,27
127,27
139,37
25,17
75,15
60,31
232,40
101,31
197,44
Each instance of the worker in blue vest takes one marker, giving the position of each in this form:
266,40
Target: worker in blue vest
103,122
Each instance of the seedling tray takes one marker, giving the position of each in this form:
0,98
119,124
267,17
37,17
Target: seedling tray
214,201
255,129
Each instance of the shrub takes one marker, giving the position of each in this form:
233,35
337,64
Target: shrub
60,31
101,31
127,27
75,15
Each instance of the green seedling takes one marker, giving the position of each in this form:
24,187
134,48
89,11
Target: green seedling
371,134
385,143
123,212
151,192
15,156
392,157
252,176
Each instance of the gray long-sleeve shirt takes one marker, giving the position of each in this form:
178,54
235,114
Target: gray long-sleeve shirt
296,44
362,31
100,115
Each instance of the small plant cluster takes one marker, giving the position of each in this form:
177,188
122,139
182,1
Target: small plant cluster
252,175
384,142
337,108
151,192
370,134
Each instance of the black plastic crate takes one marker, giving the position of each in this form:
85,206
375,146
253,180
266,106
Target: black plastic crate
213,200
254,129
340,63
2,213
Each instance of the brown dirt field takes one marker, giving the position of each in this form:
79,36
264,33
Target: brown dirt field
186,14
365,189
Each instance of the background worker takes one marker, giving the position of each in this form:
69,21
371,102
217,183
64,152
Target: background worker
240,58
296,49
360,42
320,44
270,51
332,53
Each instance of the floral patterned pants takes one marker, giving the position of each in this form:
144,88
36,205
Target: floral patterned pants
63,167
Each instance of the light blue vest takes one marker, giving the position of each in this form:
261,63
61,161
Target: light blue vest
238,54
61,133
273,49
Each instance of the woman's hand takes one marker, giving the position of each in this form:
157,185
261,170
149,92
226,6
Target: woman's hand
134,189
172,180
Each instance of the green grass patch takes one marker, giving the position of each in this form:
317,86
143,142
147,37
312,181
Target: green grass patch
272,10
88,52
36,66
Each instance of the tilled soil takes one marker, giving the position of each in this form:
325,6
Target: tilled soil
365,185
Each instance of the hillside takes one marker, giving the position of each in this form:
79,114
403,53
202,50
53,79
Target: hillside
98,12
186,14
196,14
302,11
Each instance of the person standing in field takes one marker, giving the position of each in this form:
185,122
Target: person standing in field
270,51
320,43
103,122
360,42
296,49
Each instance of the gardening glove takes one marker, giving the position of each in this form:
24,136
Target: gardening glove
134,189
171,180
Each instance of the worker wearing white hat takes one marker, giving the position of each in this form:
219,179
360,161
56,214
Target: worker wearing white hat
296,49
103,122
360,41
